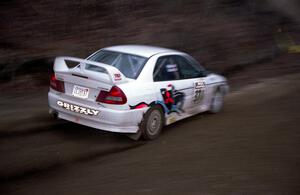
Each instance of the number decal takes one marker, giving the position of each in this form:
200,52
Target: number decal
199,88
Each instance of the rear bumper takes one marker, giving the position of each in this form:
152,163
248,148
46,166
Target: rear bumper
121,121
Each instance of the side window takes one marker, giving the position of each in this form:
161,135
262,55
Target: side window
188,70
166,69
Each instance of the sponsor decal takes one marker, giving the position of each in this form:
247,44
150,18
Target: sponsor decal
77,109
199,88
117,77
171,68
173,100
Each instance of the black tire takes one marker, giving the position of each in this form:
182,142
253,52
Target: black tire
152,123
217,102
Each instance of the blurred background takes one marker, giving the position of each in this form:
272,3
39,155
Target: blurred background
251,147
220,33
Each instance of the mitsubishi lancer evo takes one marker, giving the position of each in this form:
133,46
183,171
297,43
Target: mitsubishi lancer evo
133,89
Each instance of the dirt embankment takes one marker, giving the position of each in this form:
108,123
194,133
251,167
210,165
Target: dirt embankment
220,33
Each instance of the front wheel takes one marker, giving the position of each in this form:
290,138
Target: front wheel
152,123
217,102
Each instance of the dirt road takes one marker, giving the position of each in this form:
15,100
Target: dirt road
252,147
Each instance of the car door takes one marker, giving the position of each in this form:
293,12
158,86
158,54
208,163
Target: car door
175,92
194,75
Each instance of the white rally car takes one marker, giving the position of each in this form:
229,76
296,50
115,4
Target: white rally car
133,89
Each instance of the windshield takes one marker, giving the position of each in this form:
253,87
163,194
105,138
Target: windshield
130,65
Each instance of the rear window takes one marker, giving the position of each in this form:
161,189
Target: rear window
130,65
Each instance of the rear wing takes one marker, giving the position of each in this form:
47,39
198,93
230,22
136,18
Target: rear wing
109,75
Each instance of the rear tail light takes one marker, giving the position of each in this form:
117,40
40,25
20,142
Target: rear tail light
114,96
57,84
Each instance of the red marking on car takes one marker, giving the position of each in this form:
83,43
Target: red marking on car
117,76
169,99
141,106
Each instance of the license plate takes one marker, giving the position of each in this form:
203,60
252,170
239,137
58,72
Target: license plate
81,92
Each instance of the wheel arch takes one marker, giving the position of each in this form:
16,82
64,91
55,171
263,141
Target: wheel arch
222,88
162,107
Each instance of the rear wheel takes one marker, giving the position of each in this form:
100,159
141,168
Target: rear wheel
152,123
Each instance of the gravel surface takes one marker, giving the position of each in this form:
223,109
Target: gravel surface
251,147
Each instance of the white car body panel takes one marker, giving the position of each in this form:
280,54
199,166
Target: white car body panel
141,92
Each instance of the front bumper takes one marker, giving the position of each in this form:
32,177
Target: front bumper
121,121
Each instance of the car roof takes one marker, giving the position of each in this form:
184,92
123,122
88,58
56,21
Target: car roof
140,50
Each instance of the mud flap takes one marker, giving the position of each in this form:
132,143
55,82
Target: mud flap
134,136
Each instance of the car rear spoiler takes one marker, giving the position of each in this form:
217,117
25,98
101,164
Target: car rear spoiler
110,75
